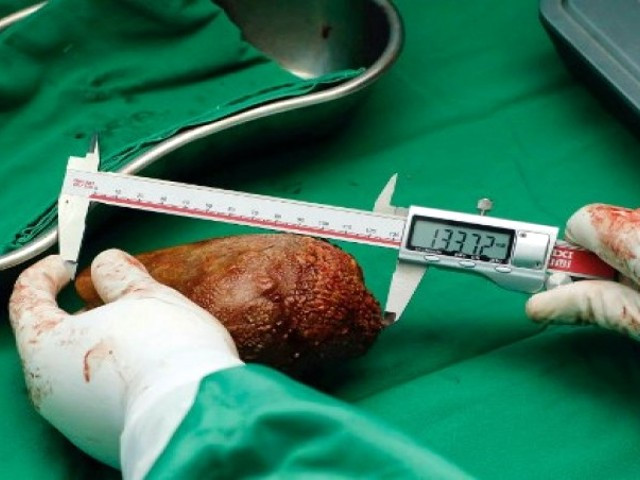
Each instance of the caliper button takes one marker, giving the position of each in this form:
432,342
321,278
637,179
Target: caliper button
432,258
503,269
467,263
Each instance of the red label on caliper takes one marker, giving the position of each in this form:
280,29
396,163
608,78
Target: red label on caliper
578,262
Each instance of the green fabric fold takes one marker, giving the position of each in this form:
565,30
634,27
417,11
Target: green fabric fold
134,71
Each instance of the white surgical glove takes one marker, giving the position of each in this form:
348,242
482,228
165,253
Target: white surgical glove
116,380
613,233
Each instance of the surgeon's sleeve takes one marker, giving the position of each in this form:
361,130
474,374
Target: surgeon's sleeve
253,422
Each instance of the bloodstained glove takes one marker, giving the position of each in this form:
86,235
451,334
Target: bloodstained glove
613,233
116,380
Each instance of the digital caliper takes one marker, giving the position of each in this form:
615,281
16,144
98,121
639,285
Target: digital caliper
515,255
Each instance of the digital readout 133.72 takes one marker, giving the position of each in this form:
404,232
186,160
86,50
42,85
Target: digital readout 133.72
459,239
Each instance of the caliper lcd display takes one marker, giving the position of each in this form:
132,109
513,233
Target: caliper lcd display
460,239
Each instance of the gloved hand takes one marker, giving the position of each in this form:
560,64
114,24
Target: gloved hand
116,380
613,233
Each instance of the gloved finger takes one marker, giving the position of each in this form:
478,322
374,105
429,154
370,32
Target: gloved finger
607,304
613,233
117,275
33,304
629,282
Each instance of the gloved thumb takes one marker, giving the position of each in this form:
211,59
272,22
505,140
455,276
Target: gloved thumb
608,304
116,274
33,301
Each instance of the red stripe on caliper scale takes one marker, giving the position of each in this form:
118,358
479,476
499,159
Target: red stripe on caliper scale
579,262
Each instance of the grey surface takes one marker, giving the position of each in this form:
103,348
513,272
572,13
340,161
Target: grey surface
605,36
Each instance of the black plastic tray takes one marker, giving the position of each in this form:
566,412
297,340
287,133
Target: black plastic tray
600,42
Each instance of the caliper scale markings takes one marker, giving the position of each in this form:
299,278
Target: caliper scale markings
232,207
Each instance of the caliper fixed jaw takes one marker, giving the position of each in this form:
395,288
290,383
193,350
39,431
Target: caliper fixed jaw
72,210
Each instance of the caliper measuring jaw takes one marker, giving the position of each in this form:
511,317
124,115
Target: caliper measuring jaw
72,210
406,276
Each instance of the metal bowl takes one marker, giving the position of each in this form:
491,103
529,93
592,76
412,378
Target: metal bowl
308,39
